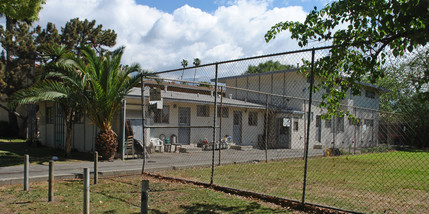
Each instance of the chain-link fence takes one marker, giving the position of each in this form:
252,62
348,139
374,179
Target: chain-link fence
255,124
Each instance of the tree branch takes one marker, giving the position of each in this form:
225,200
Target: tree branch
13,112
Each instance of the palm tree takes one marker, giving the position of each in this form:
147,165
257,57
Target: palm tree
57,83
108,83
197,63
184,64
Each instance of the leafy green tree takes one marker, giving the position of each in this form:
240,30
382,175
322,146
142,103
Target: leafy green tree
108,83
20,65
18,13
76,34
266,67
60,84
361,32
19,10
408,103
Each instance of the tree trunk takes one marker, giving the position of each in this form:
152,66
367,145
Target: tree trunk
13,125
106,144
69,136
9,23
68,114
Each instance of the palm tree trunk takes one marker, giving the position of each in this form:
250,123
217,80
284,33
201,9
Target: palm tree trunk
106,144
68,118
69,137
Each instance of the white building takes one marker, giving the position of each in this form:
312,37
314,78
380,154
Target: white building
286,93
187,112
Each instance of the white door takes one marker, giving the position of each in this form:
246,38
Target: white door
236,134
184,120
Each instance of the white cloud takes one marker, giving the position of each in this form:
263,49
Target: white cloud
159,40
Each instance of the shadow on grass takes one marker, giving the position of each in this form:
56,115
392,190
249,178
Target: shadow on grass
12,153
216,208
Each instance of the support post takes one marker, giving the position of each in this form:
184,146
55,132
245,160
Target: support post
307,141
214,125
96,168
266,129
144,197
26,172
85,190
143,123
51,181
124,121
220,125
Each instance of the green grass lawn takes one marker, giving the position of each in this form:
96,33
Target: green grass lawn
12,153
378,182
122,195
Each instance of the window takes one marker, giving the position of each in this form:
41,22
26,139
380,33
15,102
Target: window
253,118
203,111
370,94
225,112
162,115
318,128
49,115
328,123
318,121
340,124
295,126
369,122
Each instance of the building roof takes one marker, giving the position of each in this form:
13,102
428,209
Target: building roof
256,74
293,70
174,96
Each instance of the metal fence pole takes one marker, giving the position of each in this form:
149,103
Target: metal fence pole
308,128
144,197
124,121
143,123
266,129
26,172
96,168
51,181
214,126
220,124
86,190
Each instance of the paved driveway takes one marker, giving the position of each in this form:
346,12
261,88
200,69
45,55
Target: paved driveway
157,161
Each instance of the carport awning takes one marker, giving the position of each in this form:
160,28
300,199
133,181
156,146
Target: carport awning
182,97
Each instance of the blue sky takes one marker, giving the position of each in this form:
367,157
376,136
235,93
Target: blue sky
211,6
158,34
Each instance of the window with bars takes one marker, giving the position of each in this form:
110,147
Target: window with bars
253,118
203,111
162,115
225,112
49,115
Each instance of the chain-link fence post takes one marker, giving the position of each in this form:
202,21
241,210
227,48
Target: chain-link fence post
308,128
214,125
266,129
143,123
220,125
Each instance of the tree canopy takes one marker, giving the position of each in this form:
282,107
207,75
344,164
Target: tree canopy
76,34
363,33
27,10
267,66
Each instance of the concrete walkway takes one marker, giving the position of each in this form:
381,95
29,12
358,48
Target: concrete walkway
156,162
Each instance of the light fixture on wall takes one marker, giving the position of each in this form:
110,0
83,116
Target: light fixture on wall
174,106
